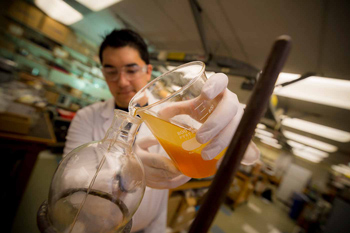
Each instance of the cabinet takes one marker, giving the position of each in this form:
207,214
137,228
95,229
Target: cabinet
54,30
26,14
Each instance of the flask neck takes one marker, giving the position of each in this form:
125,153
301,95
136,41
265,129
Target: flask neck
123,129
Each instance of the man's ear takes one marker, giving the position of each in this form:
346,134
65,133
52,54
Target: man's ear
149,71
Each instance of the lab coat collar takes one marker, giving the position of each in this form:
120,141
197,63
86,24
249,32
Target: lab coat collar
108,113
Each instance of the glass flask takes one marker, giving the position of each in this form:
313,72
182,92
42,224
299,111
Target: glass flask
98,186
174,108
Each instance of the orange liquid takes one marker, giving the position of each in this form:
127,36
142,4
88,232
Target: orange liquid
182,147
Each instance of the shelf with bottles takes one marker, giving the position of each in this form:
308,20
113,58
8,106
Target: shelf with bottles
35,38
44,68
34,20
25,46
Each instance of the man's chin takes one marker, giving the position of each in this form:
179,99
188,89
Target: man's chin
123,100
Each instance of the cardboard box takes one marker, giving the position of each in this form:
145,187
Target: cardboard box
51,97
27,14
173,207
235,188
71,40
14,123
184,216
76,92
54,30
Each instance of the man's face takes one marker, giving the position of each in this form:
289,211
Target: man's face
122,88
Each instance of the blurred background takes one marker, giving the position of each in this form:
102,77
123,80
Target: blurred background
49,69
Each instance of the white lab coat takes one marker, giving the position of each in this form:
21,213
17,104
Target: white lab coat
91,124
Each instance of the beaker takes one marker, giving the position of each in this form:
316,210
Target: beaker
98,186
173,108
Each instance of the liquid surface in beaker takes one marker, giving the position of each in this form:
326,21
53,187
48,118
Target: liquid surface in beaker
182,146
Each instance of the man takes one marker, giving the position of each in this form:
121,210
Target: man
126,68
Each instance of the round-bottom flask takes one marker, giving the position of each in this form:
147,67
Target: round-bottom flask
98,186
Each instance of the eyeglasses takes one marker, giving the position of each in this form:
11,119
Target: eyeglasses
129,72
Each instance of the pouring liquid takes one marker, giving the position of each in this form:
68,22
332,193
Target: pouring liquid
182,146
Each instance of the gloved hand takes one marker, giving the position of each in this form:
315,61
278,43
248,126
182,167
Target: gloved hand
160,171
222,123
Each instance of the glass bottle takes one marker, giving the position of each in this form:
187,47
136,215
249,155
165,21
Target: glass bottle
98,186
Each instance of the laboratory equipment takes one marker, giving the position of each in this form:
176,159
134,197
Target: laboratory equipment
180,88
98,186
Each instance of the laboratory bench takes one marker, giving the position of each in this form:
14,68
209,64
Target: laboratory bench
185,200
20,152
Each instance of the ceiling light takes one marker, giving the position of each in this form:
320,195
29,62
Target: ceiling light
286,77
310,141
266,138
308,149
307,156
345,167
341,168
301,147
296,145
263,132
60,11
326,91
97,5
278,146
261,126
316,152
317,129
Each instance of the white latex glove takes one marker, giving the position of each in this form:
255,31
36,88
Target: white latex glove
160,171
221,125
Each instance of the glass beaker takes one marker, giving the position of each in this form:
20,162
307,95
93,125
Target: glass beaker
174,109
98,186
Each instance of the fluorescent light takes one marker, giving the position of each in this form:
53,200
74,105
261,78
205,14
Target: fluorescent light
286,77
266,138
341,168
321,90
97,5
296,145
317,129
278,146
316,152
261,126
307,149
307,156
347,168
301,147
59,10
263,132
310,141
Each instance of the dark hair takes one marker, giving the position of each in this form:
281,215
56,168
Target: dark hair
122,38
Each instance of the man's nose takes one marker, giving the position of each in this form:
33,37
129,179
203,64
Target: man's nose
122,80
